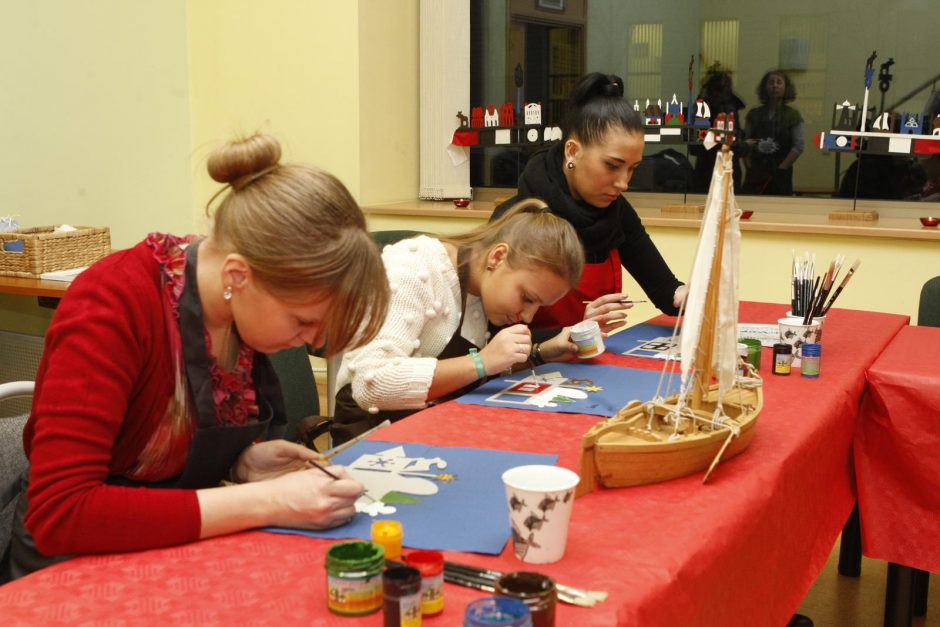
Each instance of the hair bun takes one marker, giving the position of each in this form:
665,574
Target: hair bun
614,87
245,157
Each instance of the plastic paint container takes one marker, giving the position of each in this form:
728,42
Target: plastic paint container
354,578
587,335
401,588
388,534
753,351
810,365
431,566
497,612
783,356
742,358
537,591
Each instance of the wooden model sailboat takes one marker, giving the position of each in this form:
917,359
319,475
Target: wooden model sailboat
714,413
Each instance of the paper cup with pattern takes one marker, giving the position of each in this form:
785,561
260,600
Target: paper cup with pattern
540,500
795,333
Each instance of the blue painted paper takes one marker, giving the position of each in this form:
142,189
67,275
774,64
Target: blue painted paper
591,388
635,337
468,513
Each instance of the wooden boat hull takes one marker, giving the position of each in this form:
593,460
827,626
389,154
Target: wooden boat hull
621,451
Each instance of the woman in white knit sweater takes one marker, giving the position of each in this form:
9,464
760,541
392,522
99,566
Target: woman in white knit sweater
458,314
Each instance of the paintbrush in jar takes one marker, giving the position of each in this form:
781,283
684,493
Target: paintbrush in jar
842,285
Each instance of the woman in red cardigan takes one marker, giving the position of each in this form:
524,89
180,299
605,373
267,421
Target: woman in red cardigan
154,386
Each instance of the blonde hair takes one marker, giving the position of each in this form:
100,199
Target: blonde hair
302,234
536,238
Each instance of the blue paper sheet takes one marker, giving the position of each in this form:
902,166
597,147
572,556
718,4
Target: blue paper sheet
639,340
469,510
588,388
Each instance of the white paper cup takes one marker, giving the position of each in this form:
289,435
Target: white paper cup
587,335
795,333
820,319
540,499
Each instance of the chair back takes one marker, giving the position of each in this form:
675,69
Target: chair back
298,387
384,238
928,311
13,460
19,362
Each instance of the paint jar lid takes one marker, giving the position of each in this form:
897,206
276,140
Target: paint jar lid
492,611
811,350
430,563
783,349
388,535
355,557
400,581
585,329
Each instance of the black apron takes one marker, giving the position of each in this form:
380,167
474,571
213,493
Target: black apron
349,420
214,448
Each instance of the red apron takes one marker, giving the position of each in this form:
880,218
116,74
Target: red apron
597,279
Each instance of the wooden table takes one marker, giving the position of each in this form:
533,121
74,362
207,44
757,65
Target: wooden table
898,470
741,550
48,292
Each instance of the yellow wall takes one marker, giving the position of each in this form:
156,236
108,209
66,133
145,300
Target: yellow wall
111,107
94,115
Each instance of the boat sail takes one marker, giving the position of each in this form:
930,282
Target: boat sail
715,410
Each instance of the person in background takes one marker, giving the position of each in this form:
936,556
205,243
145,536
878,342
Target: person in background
582,179
154,386
773,134
435,343
718,94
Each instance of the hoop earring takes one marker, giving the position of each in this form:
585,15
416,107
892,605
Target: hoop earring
227,292
570,165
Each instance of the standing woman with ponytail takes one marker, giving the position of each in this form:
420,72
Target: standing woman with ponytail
446,293
582,179
154,386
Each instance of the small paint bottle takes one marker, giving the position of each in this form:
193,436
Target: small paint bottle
431,566
810,364
587,335
742,359
536,590
497,612
354,578
388,535
783,357
401,590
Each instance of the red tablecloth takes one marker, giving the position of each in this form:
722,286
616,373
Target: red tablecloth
896,452
742,550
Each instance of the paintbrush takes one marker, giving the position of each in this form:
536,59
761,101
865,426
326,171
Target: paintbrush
313,464
625,301
485,579
814,296
345,445
842,285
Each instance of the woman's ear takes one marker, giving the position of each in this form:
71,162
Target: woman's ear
572,149
235,271
497,255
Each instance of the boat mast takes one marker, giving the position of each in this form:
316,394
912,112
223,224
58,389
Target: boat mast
704,352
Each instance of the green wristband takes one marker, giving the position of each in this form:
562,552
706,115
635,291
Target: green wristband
478,362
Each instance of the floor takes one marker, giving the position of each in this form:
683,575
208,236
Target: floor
834,600
837,601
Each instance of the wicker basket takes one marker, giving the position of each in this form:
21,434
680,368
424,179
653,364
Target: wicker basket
46,251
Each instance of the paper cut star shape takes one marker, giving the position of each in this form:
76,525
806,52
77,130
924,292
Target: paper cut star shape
593,388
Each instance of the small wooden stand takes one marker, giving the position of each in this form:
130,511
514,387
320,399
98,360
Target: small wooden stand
854,216
683,210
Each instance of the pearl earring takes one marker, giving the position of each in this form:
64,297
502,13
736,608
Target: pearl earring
227,292
571,165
